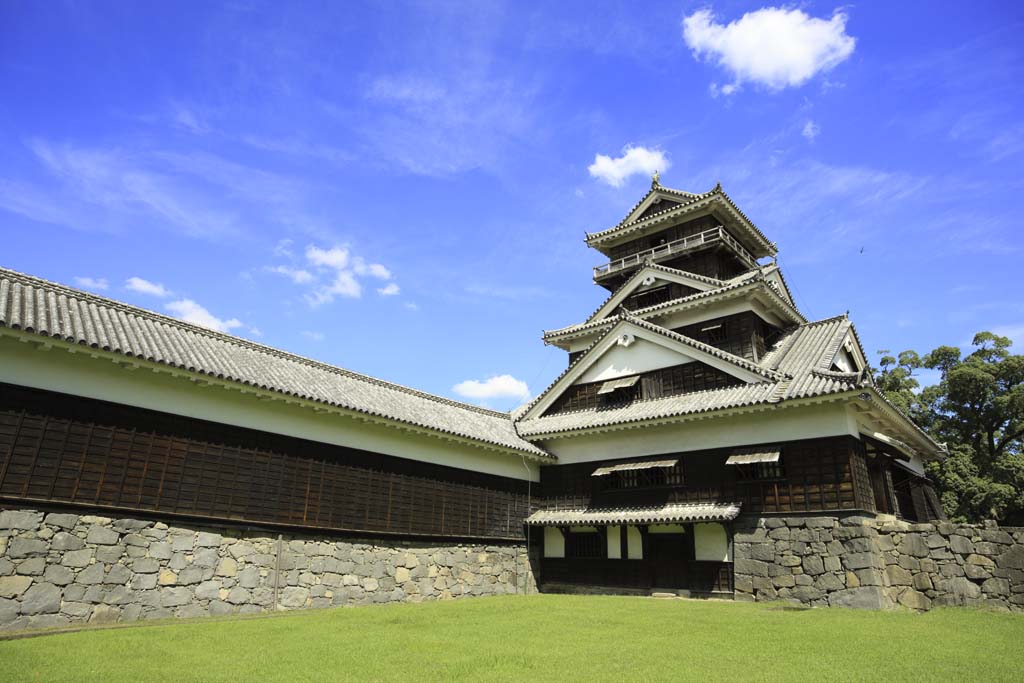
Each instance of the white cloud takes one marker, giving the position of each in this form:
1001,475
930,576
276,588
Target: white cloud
191,312
811,130
255,331
634,160
344,284
137,284
299,276
315,336
283,249
499,386
774,47
376,270
411,305
341,271
327,258
96,283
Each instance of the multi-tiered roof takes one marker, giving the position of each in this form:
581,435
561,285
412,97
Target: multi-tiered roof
698,322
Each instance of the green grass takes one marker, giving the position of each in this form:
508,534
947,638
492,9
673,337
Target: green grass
539,638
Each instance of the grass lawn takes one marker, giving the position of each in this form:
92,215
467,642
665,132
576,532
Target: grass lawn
539,638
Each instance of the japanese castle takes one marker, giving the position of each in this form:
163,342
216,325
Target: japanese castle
695,396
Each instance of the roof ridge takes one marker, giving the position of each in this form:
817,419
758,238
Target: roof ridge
131,309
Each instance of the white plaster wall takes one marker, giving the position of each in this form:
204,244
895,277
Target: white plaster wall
615,542
80,375
785,424
554,542
634,543
640,356
711,543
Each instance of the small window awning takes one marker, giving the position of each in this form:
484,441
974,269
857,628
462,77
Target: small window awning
650,464
662,514
754,455
614,384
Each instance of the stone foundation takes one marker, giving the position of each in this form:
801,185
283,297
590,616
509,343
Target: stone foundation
60,569
876,563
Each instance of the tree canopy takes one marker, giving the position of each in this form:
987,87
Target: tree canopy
977,409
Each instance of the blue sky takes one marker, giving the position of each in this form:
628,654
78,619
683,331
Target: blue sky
402,188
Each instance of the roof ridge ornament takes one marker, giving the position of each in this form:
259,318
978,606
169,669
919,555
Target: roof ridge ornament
655,180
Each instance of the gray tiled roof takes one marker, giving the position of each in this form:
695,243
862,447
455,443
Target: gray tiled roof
626,227
660,514
55,311
751,278
796,367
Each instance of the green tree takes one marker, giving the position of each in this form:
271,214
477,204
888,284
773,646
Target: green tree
977,409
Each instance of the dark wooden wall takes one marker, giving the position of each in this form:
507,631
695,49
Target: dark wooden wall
66,450
743,334
670,381
817,476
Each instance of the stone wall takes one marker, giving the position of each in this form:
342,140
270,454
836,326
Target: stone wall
59,569
879,563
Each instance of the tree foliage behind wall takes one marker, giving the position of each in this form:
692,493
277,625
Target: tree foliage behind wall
977,409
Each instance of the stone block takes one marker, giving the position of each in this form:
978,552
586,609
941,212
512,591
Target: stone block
13,586
914,545
119,595
898,576
62,540
980,560
922,582
41,598
752,567
20,520
91,575
167,577
936,541
996,536
189,576
863,561
145,565
205,539
869,577
959,588
58,575
833,564
764,552
913,599
61,521
294,597
238,596
961,545
865,597
182,543
143,581
227,567
1012,558
974,571
18,548
175,597
101,535
951,569
33,566
118,574
829,582
105,614
160,550
790,561
813,565
996,587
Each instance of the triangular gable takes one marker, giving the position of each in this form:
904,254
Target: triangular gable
659,197
644,277
626,332
849,352
773,276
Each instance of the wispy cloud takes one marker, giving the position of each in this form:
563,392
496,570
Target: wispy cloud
331,272
811,130
93,283
634,161
498,386
314,336
773,47
191,312
299,276
137,284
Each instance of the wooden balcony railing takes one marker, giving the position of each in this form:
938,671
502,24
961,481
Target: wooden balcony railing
676,248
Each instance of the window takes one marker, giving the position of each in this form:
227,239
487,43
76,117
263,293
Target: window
767,470
653,477
584,542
